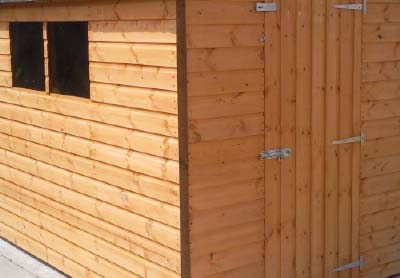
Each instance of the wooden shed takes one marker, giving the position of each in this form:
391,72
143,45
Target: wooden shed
202,138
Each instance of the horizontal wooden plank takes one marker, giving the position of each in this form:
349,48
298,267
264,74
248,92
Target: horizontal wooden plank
123,238
379,221
381,71
5,63
380,256
130,139
132,53
380,52
5,79
133,75
226,238
86,148
96,170
383,270
4,30
381,32
211,36
218,218
149,121
380,184
134,97
374,110
205,266
226,195
388,89
380,13
97,246
223,12
381,147
63,246
380,166
45,254
251,270
5,48
225,128
143,31
213,174
225,59
150,206
380,202
86,10
142,226
381,128
379,239
238,149
225,105
212,83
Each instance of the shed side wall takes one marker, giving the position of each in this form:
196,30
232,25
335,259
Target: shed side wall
92,186
225,62
380,166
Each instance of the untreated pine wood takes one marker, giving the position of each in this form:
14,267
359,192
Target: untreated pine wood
112,135
135,97
134,75
161,31
87,10
46,254
97,170
137,54
158,232
129,241
148,121
101,248
232,35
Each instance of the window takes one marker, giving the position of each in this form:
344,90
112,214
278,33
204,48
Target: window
27,55
69,58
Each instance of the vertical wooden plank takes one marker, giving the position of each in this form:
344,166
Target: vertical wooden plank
332,132
303,138
356,155
288,122
345,130
318,139
272,141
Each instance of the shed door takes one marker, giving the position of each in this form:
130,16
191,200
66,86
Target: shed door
312,84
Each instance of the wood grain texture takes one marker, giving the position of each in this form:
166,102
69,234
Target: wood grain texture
86,184
380,185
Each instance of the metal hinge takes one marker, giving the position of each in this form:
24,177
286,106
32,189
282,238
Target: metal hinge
360,7
356,139
266,7
275,154
359,263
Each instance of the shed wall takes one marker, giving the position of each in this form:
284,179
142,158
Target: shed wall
380,166
92,186
225,73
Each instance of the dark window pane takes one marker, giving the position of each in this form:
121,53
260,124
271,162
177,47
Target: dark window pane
27,50
69,61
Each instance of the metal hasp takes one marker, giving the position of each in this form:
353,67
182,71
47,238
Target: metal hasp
359,263
360,7
266,7
275,154
356,139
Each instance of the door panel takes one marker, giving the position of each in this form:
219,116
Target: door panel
312,81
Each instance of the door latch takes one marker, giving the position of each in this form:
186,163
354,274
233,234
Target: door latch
266,7
278,154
